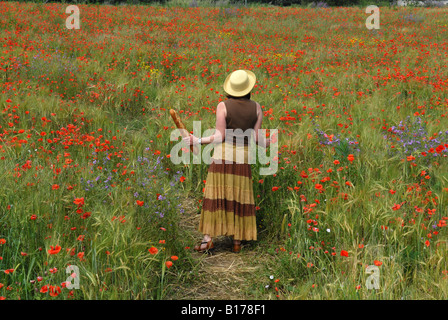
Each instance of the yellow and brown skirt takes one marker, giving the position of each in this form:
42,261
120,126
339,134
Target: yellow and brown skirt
228,207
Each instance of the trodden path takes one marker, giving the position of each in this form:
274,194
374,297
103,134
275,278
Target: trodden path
223,275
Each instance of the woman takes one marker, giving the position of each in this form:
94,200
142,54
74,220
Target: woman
228,207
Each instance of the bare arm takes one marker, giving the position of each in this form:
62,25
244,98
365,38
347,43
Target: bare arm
220,131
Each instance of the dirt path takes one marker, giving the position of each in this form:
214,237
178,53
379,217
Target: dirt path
223,275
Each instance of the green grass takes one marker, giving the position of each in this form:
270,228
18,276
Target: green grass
102,134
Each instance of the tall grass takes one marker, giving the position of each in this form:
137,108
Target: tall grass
86,134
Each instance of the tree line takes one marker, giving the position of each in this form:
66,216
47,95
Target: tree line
312,3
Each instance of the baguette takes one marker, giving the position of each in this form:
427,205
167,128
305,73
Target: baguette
180,125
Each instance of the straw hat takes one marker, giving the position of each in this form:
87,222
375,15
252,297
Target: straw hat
239,83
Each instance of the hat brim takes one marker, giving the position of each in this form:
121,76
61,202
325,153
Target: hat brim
228,89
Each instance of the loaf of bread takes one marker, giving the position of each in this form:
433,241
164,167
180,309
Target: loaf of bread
180,125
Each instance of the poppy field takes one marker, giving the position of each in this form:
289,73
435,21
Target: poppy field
91,207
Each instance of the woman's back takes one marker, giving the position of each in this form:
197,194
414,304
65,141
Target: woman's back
241,114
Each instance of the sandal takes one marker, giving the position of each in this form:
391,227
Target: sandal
207,248
236,248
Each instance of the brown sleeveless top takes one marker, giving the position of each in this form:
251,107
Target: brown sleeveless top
241,114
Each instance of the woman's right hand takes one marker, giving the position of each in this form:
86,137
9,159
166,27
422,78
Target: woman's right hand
268,142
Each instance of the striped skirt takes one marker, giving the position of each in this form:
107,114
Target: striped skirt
228,206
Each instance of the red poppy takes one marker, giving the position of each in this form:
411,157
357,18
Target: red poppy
44,289
86,215
168,264
344,253
140,203
54,250
55,291
440,148
71,251
153,250
79,201
81,256
275,188
182,179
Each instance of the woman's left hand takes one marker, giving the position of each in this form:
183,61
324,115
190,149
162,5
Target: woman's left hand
191,140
